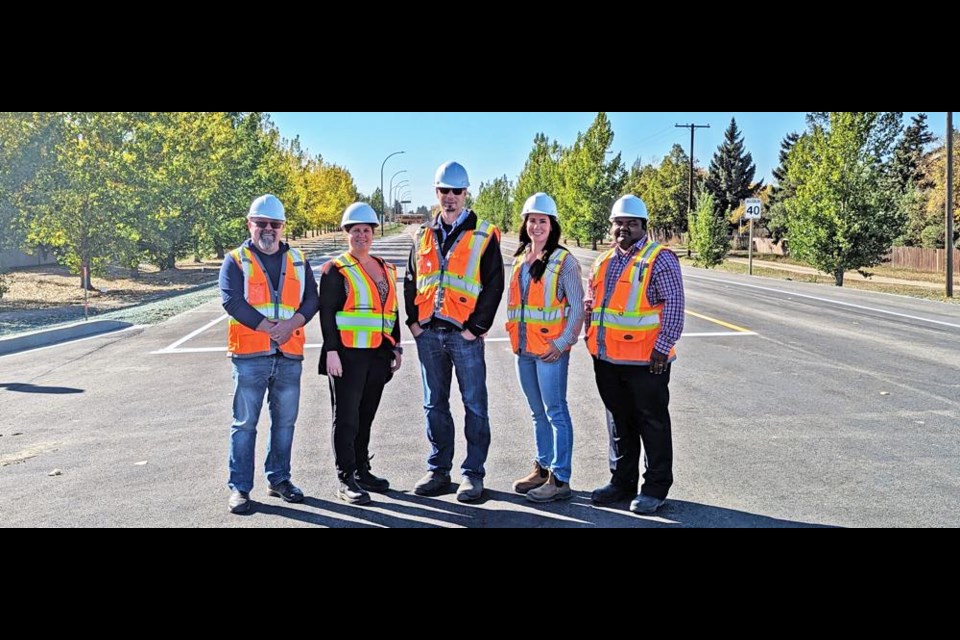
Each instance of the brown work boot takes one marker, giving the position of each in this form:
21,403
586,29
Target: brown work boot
550,491
537,478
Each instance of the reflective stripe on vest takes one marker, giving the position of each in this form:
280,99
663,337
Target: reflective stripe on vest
448,286
624,328
542,323
364,321
280,304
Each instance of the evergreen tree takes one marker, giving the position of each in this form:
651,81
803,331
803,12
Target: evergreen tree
909,152
781,191
730,179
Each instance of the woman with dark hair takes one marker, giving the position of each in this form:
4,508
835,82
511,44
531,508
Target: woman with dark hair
361,348
544,316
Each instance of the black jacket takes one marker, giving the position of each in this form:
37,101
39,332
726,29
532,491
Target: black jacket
491,277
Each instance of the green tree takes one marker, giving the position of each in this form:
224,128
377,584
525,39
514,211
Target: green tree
708,232
911,184
495,203
842,216
730,178
182,161
780,191
664,190
590,182
541,172
83,203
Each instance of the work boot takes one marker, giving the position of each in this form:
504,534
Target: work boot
537,478
434,483
471,488
550,491
369,481
350,491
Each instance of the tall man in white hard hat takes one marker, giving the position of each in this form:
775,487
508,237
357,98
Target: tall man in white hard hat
452,289
270,293
636,306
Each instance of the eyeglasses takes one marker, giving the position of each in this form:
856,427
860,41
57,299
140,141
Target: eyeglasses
445,191
262,224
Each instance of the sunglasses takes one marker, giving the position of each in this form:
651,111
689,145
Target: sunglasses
445,191
263,225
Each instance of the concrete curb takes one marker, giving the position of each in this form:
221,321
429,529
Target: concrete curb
46,337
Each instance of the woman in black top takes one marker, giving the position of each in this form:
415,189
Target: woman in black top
361,348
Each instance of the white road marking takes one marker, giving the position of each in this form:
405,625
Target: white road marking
827,300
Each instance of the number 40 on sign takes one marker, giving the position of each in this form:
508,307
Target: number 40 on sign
752,209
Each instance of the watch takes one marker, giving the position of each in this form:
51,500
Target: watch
398,349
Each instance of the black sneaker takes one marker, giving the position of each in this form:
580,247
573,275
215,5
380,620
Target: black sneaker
239,502
286,490
350,491
370,482
610,493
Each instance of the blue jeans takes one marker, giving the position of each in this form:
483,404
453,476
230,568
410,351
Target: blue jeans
441,352
279,378
545,386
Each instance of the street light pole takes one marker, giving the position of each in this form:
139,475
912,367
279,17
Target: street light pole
396,189
383,196
391,186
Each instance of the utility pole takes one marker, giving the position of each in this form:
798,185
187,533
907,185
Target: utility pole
693,128
948,239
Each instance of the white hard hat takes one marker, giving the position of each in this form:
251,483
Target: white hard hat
540,203
629,206
268,207
359,213
451,175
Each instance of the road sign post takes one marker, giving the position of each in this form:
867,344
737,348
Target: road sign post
752,210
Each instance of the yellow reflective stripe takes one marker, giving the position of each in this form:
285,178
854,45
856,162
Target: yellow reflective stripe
645,258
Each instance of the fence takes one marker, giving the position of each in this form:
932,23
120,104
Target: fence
13,259
919,259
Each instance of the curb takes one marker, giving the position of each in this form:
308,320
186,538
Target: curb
46,337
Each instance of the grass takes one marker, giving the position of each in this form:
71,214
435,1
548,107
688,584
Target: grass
776,274
880,270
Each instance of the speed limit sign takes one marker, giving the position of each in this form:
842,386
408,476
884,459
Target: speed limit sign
752,209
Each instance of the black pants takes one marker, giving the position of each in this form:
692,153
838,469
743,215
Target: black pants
640,404
355,397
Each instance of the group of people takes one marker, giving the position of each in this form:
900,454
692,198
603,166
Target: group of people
632,311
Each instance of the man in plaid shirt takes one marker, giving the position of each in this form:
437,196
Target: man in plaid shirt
635,310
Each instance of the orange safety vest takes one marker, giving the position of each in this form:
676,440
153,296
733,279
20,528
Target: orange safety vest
542,316
625,326
274,305
364,321
448,287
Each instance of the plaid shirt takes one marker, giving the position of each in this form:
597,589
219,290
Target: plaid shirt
666,287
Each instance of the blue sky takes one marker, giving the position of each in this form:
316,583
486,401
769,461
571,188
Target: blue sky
492,144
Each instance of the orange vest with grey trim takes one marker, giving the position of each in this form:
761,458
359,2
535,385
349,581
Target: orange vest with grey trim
625,326
542,317
448,286
364,322
274,305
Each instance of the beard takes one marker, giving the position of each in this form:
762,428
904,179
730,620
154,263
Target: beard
267,241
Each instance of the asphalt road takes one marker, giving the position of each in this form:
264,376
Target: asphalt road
793,405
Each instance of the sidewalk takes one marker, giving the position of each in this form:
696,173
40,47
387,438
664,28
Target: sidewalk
849,275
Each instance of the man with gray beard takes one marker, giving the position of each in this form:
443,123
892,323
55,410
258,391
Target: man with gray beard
270,293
